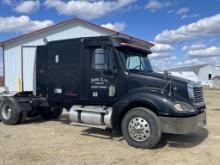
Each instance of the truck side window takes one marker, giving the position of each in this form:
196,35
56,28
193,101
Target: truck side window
110,60
134,62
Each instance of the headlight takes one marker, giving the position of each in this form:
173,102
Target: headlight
183,107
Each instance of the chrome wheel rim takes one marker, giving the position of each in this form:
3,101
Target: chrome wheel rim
6,112
139,129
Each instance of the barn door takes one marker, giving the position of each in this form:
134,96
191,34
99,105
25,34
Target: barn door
28,65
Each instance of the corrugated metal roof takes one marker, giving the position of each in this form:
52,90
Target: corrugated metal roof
194,69
216,77
186,74
75,20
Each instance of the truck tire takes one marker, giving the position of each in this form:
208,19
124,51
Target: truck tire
9,113
50,113
141,128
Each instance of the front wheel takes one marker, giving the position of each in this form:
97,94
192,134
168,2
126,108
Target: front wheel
50,113
141,128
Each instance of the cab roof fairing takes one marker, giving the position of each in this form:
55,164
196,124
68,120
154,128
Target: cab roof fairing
124,42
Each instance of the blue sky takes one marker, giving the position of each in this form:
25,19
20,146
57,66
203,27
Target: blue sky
187,32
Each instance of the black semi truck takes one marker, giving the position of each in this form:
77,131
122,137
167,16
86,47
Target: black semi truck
108,82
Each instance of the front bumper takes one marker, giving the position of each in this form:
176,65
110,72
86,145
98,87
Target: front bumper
183,125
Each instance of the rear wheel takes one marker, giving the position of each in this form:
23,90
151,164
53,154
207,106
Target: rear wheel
9,112
141,128
50,113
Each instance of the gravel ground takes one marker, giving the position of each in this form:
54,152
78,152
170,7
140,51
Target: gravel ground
57,142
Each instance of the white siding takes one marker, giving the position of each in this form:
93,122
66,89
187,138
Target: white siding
212,83
13,51
206,70
216,84
12,68
29,54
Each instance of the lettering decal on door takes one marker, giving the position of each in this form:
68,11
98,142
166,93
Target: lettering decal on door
99,83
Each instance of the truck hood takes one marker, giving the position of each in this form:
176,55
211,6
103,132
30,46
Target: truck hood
161,76
157,81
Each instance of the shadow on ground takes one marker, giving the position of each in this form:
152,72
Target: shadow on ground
170,140
184,141
216,109
38,120
33,120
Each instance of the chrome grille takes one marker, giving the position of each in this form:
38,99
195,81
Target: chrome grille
198,94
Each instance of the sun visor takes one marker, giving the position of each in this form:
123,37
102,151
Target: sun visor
136,47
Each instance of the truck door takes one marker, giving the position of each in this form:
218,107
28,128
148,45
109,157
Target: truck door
103,75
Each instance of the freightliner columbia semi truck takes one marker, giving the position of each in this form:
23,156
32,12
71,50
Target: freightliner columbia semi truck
108,82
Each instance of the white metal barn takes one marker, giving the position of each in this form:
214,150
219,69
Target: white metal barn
19,52
216,82
204,73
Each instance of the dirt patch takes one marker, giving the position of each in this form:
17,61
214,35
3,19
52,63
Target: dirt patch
57,142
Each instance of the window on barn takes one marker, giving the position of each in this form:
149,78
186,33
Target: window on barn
210,76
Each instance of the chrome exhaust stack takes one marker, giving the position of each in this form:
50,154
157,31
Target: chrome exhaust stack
92,116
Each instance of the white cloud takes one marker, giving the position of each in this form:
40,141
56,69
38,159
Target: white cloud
163,63
153,5
211,51
189,62
160,55
118,26
88,9
197,54
162,50
208,26
170,11
184,16
7,2
22,24
199,61
182,11
201,50
195,46
27,7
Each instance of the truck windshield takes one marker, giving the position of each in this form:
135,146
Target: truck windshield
135,61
